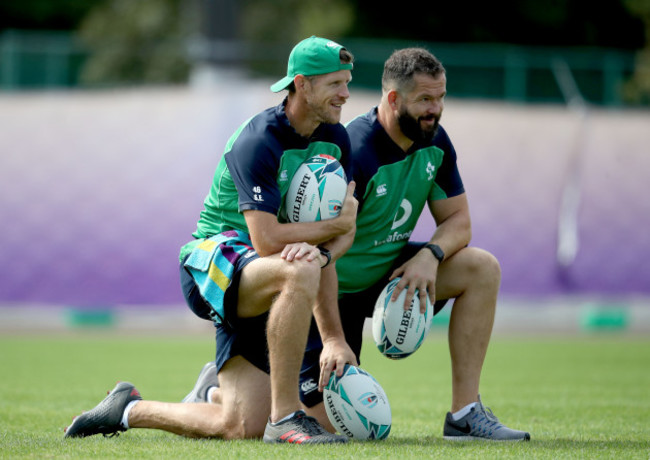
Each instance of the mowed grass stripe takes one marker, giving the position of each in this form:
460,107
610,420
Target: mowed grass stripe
583,397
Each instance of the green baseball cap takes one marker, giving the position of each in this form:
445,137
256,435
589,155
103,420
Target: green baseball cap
312,56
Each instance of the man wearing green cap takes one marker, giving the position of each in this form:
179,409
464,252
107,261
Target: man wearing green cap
254,274
403,160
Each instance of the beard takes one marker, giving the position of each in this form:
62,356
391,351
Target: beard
412,128
322,111
327,117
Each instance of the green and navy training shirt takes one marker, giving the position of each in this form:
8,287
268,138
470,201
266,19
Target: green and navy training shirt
392,187
256,169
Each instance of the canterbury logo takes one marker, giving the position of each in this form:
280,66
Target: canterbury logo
308,386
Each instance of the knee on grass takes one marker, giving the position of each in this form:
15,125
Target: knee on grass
235,428
228,427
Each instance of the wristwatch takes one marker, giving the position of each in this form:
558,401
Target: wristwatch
327,254
436,251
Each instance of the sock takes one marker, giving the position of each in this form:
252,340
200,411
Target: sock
208,395
125,415
286,418
463,412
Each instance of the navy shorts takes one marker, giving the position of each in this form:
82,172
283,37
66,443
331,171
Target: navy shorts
354,309
235,336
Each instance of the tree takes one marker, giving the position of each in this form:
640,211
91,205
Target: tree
637,89
136,41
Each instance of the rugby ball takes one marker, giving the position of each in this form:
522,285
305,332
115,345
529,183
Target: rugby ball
317,190
357,405
399,332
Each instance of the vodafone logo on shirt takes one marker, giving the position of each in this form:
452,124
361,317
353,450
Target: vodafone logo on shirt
401,217
408,209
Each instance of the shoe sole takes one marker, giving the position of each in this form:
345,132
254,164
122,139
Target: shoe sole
269,440
478,438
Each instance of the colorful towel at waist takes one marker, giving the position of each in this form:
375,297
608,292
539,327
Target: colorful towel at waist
212,265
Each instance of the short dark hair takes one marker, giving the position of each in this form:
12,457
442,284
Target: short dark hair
346,58
403,64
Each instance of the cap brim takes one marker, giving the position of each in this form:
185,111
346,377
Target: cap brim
281,84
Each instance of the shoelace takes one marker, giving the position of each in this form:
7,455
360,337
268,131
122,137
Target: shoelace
487,411
492,420
311,425
490,415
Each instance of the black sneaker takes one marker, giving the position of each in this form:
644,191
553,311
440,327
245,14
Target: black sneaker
480,424
106,417
207,379
300,429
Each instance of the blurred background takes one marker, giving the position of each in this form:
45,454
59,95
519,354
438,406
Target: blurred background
114,114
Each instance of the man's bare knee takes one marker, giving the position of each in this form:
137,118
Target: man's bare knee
482,265
236,428
303,275
490,266
246,403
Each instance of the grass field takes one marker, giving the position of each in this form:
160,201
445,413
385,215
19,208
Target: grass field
583,397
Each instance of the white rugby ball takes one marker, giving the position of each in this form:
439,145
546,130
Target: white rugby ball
317,190
357,405
399,332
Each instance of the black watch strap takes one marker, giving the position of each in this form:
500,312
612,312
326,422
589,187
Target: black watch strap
327,254
437,252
